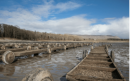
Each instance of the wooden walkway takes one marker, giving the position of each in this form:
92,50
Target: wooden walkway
97,66
8,52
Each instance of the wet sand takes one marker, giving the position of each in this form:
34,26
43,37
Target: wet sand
59,63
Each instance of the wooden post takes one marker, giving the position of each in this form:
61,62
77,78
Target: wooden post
87,44
112,55
64,47
56,44
106,48
91,47
59,45
81,44
38,74
86,53
48,49
39,45
75,45
2,47
16,46
28,47
83,55
48,46
35,48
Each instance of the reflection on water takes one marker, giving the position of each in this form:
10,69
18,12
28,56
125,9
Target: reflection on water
7,70
59,63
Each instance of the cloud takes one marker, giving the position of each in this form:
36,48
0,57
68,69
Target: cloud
117,27
49,8
78,24
107,19
44,9
73,25
66,25
17,17
37,13
67,6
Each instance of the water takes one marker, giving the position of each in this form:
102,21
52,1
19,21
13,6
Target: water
121,52
60,63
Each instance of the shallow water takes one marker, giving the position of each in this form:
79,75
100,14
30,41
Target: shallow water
58,64
121,52
61,62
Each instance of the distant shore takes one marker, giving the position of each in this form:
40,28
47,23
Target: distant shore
94,41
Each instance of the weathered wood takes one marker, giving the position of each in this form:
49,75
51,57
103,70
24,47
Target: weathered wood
84,67
57,48
112,55
64,47
39,74
2,47
34,48
0,56
97,62
13,50
97,66
29,52
86,78
48,50
91,47
8,57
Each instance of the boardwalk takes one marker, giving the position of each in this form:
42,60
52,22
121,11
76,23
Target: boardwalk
8,52
97,66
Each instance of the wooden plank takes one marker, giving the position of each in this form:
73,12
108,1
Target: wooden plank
13,50
116,66
97,62
97,58
98,55
76,66
70,47
96,68
29,52
100,58
98,52
86,78
57,48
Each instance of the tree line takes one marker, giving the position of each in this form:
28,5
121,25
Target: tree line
18,33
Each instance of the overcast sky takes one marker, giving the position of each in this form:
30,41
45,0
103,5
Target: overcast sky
85,17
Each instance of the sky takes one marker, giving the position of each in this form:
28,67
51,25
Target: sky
84,17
